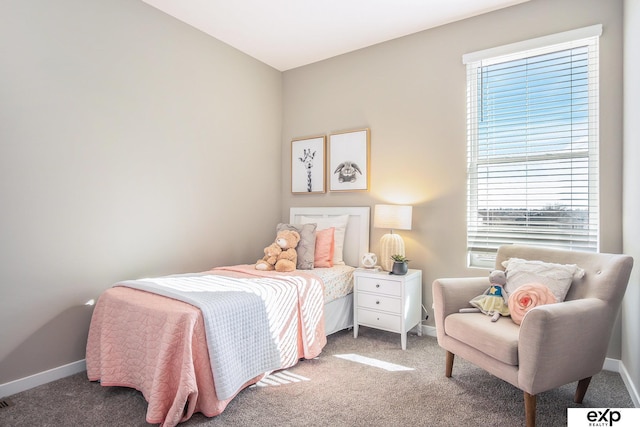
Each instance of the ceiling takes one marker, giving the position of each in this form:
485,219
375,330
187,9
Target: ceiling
286,34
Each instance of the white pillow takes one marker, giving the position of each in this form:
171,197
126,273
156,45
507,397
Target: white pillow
340,225
557,277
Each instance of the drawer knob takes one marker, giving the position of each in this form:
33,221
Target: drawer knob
377,302
377,285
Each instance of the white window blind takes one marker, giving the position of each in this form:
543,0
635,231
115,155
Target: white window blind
532,135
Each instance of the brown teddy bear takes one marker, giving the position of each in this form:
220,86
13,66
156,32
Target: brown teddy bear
268,262
286,242
288,258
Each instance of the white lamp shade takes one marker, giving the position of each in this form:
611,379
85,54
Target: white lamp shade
394,217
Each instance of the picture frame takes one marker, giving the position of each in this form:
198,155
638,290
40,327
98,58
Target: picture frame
308,165
349,160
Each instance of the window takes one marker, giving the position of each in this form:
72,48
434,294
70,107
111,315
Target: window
532,136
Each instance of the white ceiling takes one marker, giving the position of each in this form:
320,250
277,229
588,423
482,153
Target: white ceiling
286,34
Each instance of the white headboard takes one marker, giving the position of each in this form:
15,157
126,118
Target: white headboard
356,241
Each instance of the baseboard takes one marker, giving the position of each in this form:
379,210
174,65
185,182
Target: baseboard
612,365
631,388
428,330
45,377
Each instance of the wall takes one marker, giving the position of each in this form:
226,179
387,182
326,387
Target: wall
411,93
130,145
114,117
631,213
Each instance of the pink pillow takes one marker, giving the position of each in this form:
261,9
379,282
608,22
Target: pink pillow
325,247
527,297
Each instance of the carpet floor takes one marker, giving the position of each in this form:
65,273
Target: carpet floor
333,390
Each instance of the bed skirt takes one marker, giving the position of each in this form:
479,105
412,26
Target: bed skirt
338,314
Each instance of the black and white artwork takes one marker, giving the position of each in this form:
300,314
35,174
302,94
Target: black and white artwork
349,160
308,165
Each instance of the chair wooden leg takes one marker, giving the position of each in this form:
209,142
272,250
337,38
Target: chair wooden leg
449,368
530,409
581,390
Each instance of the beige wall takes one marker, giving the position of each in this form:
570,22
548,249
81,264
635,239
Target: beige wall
130,145
411,92
630,312
114,117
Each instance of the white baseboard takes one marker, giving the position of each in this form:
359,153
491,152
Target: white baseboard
612,365
631,388
45,377
428,330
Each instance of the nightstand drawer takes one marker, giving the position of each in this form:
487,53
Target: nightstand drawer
379,320
379,302
379,286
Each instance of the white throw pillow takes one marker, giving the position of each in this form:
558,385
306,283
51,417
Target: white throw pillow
340,225
557,277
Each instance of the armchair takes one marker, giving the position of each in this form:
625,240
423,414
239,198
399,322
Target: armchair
555,344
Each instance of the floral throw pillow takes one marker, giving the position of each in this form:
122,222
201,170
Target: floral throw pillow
526,297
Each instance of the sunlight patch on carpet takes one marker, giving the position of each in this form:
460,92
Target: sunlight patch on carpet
373,362
280,378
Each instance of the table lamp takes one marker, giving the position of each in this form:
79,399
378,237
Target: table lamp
393,217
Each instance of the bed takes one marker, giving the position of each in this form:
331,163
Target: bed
188,349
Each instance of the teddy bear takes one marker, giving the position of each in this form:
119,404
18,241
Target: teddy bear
288,258
268,262
493,302
281,255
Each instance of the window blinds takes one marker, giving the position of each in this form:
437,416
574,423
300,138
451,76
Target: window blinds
532,158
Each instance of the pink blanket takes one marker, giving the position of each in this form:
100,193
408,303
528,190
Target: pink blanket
157,345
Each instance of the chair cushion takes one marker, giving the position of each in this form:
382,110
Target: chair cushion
496,339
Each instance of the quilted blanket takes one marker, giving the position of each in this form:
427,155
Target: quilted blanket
231,308
157,345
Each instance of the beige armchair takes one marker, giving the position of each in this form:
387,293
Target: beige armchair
555,344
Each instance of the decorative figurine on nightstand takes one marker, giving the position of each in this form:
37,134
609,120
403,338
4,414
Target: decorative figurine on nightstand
369,260
400,265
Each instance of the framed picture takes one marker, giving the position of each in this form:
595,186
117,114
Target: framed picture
349,160
308,165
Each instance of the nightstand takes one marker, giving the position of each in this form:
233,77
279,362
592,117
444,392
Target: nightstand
389,302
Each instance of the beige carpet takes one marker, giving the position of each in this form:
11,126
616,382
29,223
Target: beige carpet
333,392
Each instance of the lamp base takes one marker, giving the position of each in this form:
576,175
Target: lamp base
390,244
